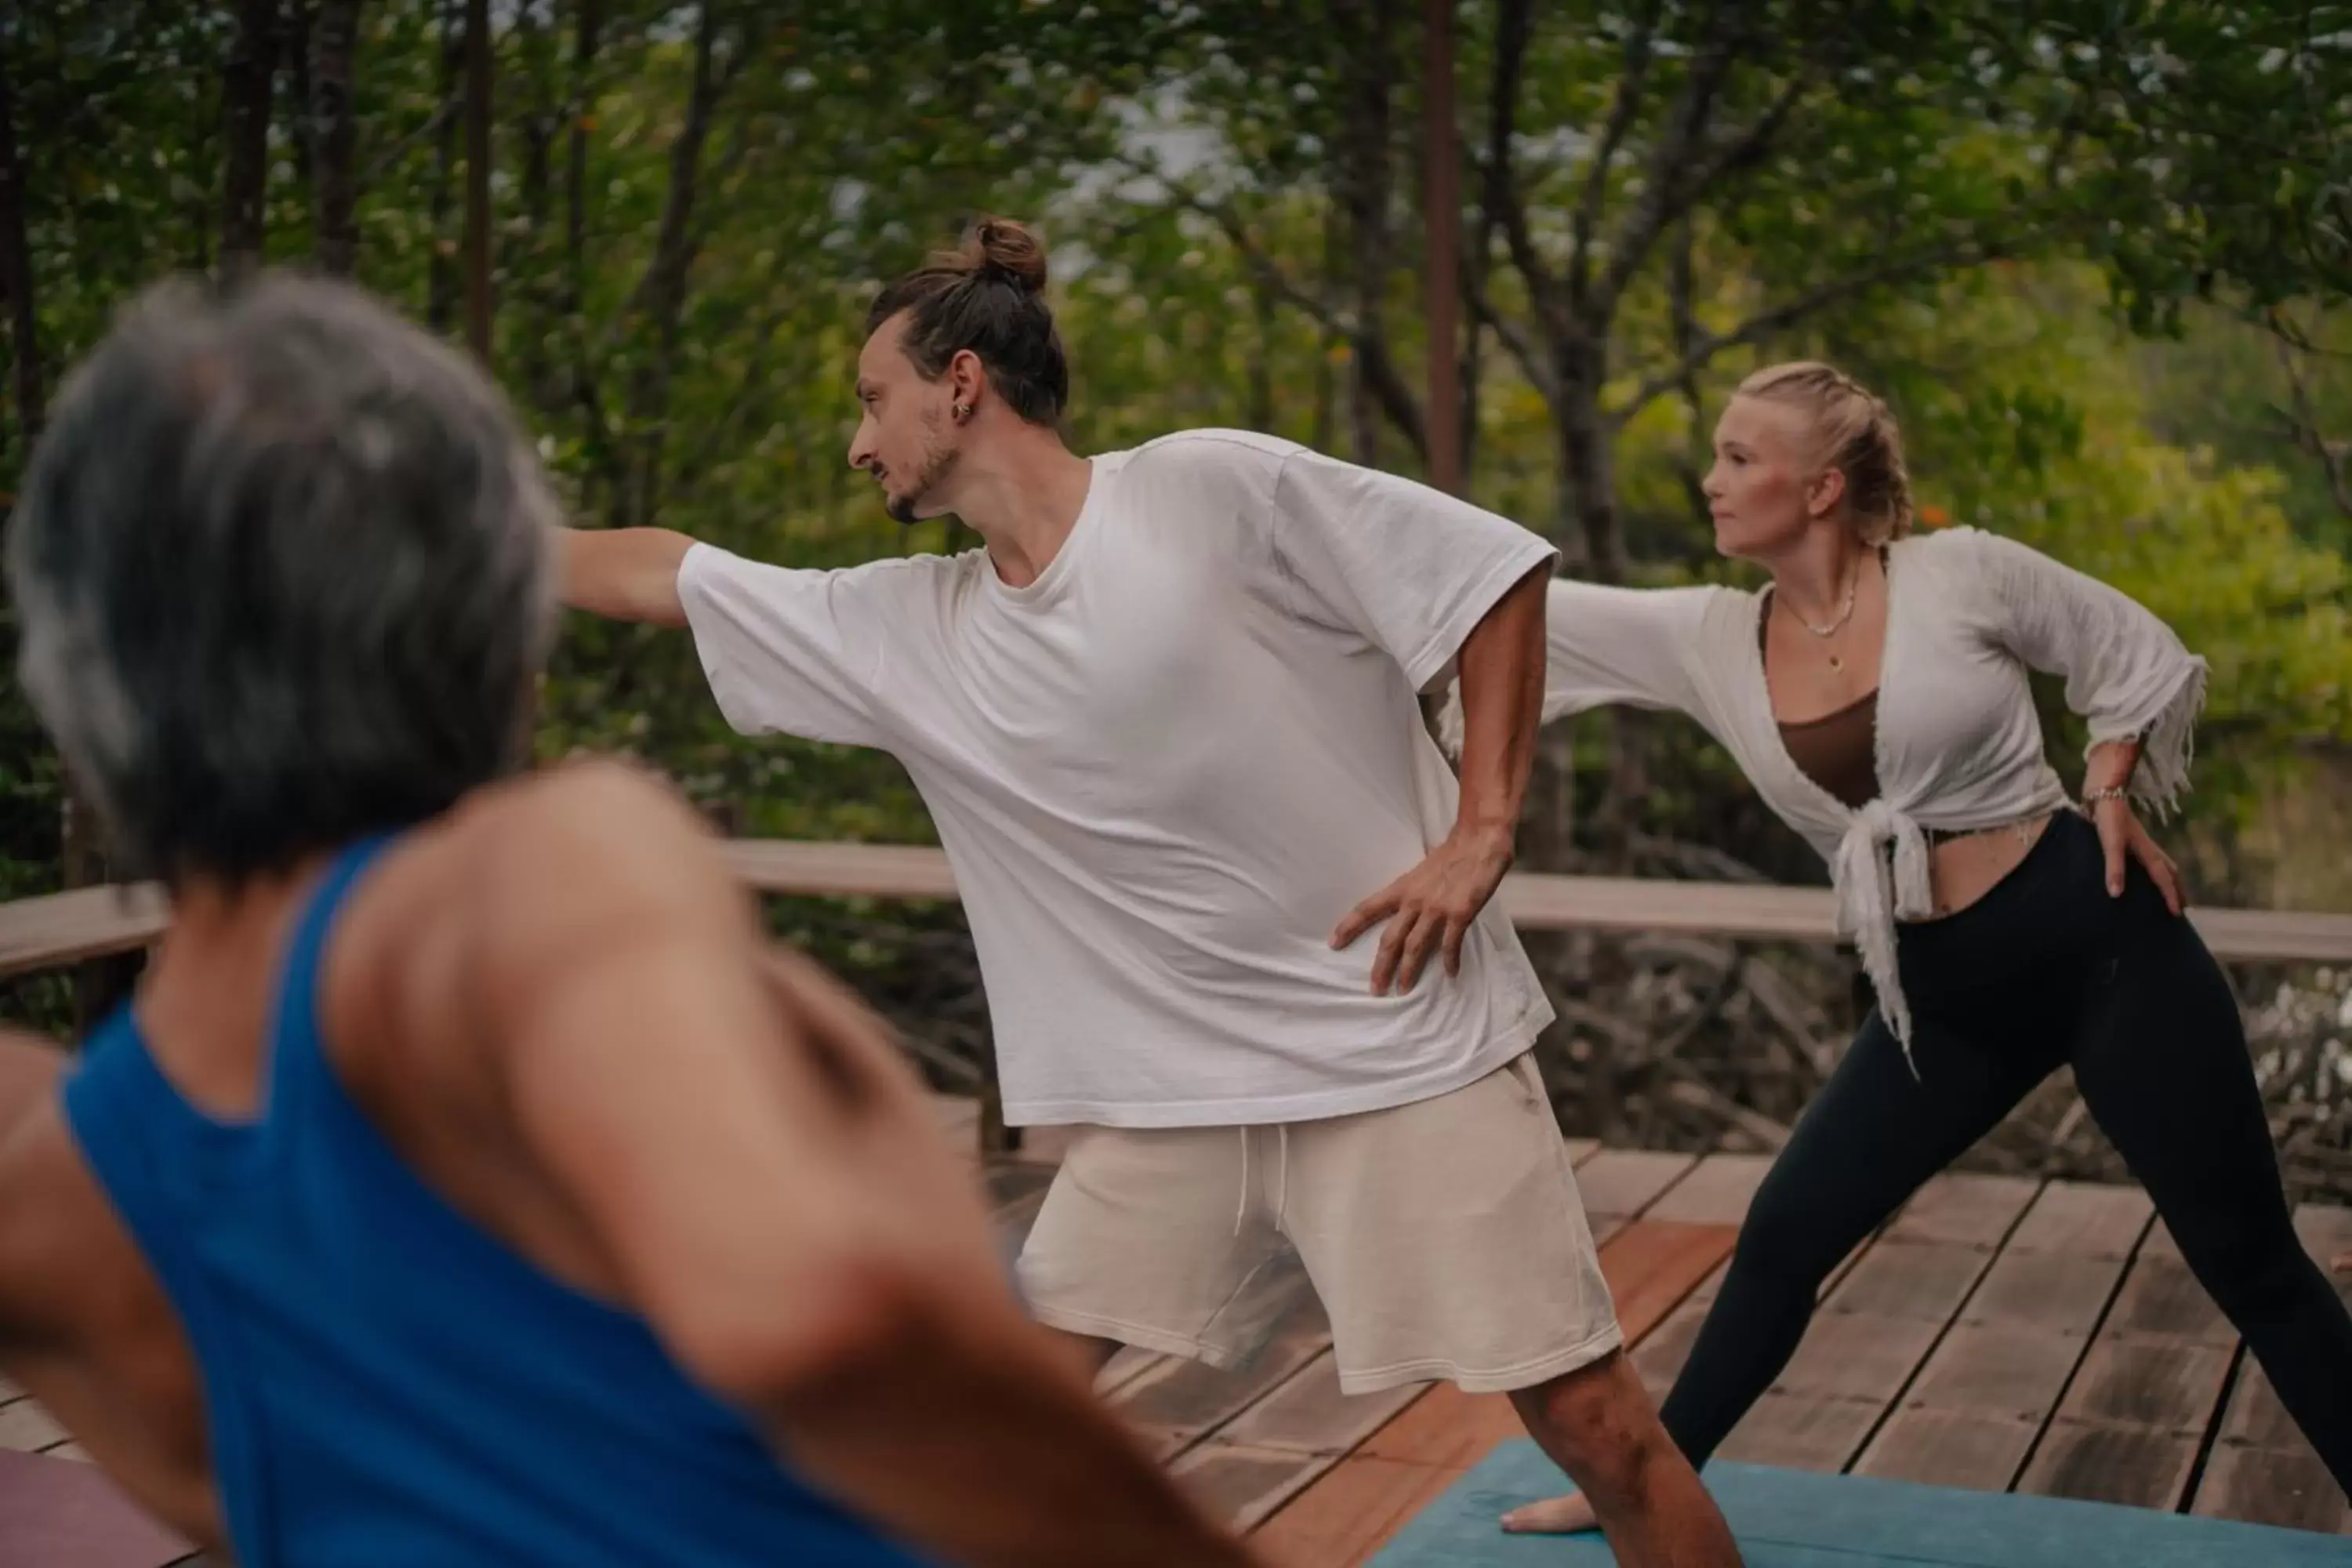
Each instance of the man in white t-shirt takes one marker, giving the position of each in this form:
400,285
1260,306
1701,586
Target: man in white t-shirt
1166,723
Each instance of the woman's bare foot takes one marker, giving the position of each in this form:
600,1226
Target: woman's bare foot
1553,1516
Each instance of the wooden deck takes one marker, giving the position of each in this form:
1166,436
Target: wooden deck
2002,1334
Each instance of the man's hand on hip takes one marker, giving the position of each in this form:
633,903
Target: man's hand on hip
1429,907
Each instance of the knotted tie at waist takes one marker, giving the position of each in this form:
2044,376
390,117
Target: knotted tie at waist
1876,889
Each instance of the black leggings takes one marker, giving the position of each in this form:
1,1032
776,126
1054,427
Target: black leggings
2046,968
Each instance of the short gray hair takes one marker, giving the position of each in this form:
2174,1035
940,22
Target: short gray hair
283,572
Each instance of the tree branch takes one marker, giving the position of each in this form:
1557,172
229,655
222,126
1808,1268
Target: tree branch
1685,128
333,42
1682,309
1623,110
2303,426
385,162
1500,193
1514,342
1388,385
248,79
1738,153
1765,322
1265,267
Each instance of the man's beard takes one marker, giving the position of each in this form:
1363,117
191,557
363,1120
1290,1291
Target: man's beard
938,463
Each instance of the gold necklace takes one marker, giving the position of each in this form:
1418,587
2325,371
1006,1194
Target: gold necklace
1853,587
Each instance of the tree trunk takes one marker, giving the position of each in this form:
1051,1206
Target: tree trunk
1588,493
1477,268
441,268
245,92
526,257
585,44
199,212
1327,394
1371,26
17,271
1261,364
1589,529
1474,366
1442,218
662,294
334,42
478,178
98,986
297,23
580,392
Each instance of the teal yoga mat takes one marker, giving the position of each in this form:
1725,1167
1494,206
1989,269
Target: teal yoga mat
1793,1518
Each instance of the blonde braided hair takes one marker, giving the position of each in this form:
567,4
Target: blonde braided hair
1854,433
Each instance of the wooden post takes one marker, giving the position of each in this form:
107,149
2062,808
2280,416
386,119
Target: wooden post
1441,211
478,178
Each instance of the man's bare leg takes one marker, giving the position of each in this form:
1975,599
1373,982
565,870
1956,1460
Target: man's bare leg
1598,1423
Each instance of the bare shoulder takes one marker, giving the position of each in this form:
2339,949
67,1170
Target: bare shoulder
577,856
605,801
521,883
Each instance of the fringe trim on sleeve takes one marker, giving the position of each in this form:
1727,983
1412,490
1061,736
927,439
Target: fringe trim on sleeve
2169,746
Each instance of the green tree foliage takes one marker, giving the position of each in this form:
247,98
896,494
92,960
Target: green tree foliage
692,202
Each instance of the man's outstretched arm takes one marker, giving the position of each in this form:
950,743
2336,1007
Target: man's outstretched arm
775,1197
624,574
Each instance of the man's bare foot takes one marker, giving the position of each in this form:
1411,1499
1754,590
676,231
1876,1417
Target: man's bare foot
1553,1516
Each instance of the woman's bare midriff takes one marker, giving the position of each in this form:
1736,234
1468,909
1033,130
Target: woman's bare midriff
1962,870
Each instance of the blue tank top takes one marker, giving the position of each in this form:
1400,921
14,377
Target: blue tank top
384,1383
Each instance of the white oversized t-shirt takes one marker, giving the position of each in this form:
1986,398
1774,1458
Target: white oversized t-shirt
1166,768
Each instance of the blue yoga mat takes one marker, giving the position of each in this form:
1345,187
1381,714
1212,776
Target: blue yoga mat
1793,1518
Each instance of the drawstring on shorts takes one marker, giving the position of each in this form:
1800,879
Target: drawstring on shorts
1281,1180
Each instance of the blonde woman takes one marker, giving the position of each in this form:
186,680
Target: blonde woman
1876,694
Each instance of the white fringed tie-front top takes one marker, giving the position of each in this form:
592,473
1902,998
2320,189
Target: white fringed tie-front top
1960,748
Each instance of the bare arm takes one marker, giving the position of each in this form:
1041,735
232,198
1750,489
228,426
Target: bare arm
2110,766
30,1069
787,1219
626,574
1502,706
1429,908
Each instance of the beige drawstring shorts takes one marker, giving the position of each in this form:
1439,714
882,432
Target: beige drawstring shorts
1445,1238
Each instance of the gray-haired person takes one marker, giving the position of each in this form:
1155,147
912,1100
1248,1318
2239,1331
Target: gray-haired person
469,1182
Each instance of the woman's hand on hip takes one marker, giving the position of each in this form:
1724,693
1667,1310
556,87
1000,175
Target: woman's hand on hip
2125,840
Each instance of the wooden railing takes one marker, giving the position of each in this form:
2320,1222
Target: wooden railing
92,922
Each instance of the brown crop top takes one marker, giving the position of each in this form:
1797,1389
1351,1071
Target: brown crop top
1837,750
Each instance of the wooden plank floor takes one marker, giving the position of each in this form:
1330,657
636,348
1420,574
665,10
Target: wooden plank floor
1999,1334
